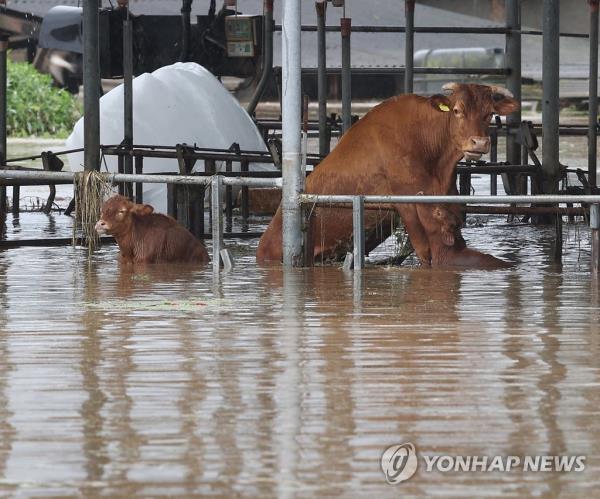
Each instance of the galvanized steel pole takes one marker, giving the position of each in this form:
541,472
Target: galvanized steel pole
346,26
595,228
409,46
550,103
128,97
3,88
321,7
593,101
293,183
91,85
513,80
358,231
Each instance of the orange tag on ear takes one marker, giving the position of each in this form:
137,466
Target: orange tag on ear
443,107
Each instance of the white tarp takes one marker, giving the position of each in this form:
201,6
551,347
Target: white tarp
181,103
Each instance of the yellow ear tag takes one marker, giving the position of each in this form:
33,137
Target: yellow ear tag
443,107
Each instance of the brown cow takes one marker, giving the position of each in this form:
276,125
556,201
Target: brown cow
147,237
405,146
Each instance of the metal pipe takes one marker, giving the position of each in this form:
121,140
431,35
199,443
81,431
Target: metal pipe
346,24
550,104
3,147
358,230
128,98
91,85
513,79
139,170
409,46
57,177
186,9
267,67
416,199
216,207
595,228
321,7
593,92
291,143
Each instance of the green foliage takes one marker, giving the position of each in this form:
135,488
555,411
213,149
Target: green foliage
35,107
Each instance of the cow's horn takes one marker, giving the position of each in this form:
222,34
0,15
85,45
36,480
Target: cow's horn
450,87
502,91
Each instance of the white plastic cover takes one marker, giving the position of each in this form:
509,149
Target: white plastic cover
181,103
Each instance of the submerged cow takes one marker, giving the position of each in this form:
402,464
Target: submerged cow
406,145
147,237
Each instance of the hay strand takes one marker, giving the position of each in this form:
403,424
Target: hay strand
90,189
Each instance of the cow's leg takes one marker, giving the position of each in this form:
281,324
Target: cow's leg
416,232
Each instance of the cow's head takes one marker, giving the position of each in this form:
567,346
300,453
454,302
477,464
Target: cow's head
118,213
470,108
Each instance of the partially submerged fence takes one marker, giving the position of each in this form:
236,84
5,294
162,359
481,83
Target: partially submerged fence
218,183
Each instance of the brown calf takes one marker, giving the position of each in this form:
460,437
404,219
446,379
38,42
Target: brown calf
147,237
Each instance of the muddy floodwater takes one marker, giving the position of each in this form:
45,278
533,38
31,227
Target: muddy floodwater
271,383
166,381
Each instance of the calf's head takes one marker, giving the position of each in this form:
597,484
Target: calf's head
117,215
470,108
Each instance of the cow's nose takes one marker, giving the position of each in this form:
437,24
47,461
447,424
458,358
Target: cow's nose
100,226
479,144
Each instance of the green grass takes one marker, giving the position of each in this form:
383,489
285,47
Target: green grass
35,107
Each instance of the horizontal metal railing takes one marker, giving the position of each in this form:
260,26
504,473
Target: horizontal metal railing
357,258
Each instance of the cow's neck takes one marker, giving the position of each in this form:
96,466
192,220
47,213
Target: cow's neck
442,156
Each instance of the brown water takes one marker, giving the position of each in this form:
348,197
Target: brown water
267,383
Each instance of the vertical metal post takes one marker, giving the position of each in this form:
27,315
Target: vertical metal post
139,169
358,211
595,228
513,80
267,68
3,148
244,203
346,26
494,159
293,183
321,7
128,98
593,105
409,46
228,199
91,85
550,104
216,208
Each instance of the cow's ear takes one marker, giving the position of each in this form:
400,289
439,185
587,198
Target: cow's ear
440,103
505,106
142,209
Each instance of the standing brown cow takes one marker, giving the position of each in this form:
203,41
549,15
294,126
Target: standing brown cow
406,145
147,237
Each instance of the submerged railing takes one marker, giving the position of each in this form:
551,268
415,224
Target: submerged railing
218,182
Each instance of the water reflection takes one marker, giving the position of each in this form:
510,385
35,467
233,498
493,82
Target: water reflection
160,381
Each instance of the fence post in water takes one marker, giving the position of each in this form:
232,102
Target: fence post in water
346,26
409,44
91,85
513,81
291,105
3,151
128,98
216,208
593,91
321,7
595,228
358,211
550,104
